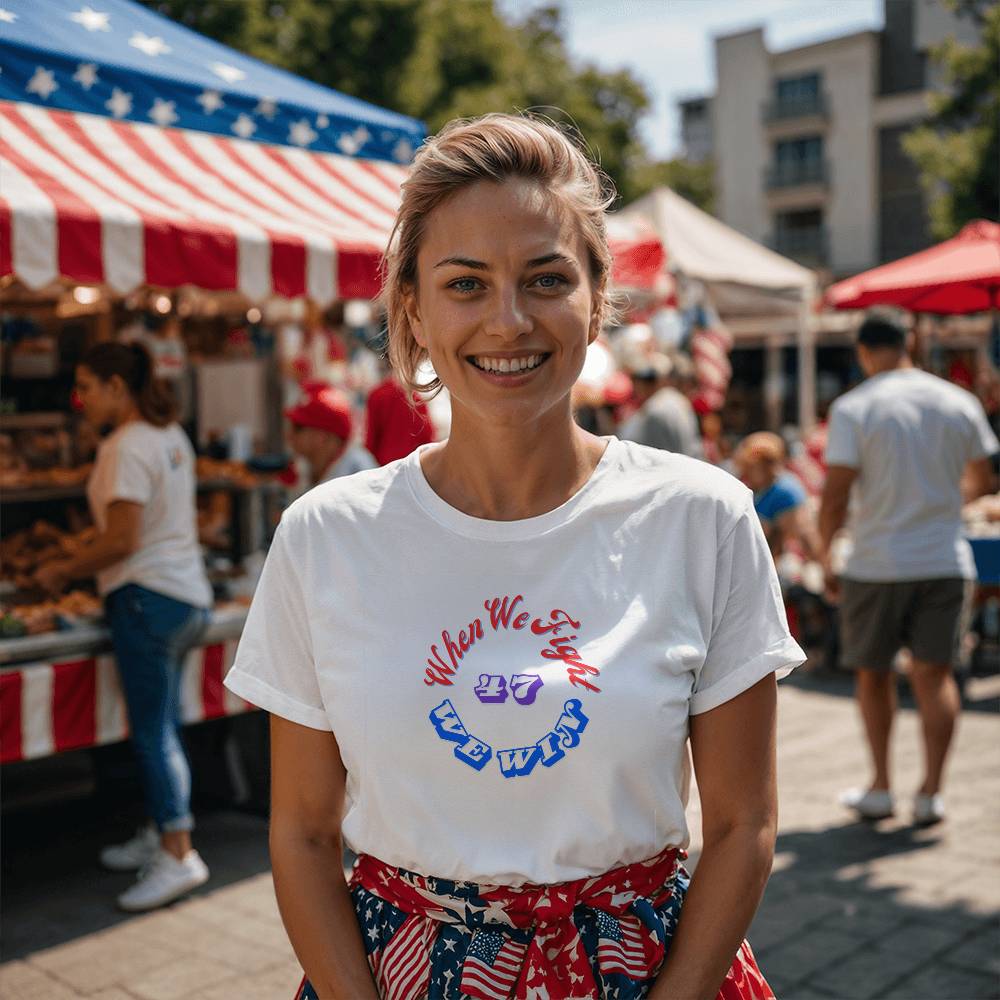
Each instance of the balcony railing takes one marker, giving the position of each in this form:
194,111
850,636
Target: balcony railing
809,245
785,108
797,172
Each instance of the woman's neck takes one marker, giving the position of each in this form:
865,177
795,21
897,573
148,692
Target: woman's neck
129,414
511,473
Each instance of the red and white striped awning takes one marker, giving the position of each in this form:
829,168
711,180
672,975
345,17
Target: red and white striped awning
100,201
122,204
47,707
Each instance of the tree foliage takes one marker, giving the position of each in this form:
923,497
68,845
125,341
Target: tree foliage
435,60
958,148
694,181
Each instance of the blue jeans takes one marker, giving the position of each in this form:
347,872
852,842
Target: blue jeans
151,633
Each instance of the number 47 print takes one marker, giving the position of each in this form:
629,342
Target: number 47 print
492,688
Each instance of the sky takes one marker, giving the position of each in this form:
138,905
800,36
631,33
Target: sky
668,43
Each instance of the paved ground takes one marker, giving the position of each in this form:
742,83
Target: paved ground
853,910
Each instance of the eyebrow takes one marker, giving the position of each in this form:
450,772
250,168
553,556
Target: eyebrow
478,265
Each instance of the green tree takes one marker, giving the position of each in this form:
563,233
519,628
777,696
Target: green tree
435,60
694,181
958,148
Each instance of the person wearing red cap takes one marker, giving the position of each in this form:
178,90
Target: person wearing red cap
321,433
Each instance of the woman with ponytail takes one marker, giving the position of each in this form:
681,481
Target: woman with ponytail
156,595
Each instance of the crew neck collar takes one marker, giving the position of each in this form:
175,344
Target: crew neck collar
477,527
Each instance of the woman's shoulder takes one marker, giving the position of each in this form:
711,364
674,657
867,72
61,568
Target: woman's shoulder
362,497
679,484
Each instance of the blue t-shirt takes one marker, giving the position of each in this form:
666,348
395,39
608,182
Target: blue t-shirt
787,493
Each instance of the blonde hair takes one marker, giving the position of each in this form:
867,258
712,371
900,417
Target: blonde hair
763,446
494,147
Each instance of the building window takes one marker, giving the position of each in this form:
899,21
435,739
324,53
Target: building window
796,97
794,151
797,161
800,235
797,89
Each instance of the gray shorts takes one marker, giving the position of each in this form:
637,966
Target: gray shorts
929,617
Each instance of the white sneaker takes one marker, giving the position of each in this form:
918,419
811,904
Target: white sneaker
134,853
163,880
873,804
927,809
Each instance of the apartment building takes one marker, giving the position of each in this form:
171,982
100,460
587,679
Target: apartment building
806,142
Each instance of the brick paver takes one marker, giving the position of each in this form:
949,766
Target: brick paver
853,910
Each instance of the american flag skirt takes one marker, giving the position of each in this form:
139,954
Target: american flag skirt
603,937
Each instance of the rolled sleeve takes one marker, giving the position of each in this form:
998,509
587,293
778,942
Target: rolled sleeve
750,637
274,666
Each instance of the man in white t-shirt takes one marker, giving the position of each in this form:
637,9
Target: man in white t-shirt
666,418
902,440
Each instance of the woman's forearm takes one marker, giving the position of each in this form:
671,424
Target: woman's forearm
104,551
720,903
319,916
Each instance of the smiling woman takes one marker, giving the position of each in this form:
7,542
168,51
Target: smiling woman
515,787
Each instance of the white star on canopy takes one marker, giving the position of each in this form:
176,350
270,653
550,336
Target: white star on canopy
210,100
86,75
42,83
231,74
301,133
152,45
266,107
322,121
92,20
7,16
163,112
402,152
244,126
120,103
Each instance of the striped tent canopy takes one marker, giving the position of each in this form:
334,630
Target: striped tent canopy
124,204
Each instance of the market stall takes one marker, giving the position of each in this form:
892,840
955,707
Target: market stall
271,201
757,294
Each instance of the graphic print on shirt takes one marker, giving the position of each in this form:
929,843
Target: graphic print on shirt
559,630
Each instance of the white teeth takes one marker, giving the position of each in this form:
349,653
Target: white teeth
508,365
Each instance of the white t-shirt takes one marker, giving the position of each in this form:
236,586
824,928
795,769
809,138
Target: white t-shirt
511,698
910,434
153,466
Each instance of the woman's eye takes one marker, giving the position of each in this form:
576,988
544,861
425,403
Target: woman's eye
550,281
464,285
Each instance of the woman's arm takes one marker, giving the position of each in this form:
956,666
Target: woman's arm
733,748
307,801
117,542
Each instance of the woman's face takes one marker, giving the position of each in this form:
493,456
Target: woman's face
504,302
99,400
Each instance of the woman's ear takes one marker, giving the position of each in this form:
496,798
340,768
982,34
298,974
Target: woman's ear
596,309
412,309
118,387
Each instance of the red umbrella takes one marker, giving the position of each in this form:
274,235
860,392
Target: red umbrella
961,275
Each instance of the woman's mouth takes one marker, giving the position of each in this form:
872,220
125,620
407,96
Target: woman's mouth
506,369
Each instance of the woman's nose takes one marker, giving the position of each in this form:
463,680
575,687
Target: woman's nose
509,318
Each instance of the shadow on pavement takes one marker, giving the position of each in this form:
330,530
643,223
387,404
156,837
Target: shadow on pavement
829,927
60,811
840,683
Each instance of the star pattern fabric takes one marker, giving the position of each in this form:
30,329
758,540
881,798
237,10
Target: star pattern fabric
605,937
127,61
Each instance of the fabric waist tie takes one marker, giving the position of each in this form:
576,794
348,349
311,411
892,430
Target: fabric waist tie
525,941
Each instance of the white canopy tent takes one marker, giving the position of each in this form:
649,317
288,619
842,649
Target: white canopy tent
752,288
